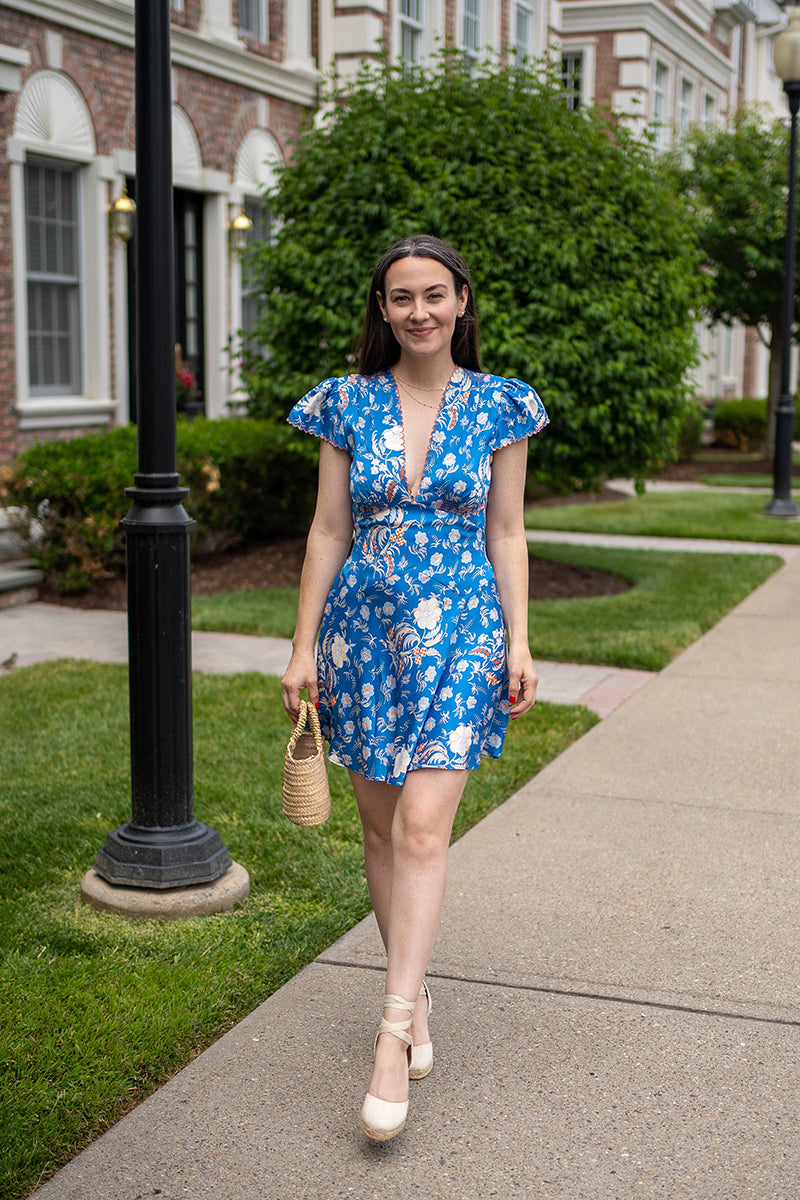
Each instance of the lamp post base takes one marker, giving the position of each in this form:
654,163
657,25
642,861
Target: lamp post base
781,508
162,858
142,904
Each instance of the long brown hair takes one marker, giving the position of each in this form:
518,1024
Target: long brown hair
378,348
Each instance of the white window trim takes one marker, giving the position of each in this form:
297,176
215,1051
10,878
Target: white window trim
665,130
257,157
424,32
92,405
685,78
530,8
56,281
588,48
262,37
710,94
488,30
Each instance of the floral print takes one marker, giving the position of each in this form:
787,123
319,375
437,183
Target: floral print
411,657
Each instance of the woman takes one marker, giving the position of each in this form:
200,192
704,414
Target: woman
416,569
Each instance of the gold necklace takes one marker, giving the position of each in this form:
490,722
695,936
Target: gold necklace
442,388
438,388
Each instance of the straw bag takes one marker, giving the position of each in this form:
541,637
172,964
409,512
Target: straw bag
306,795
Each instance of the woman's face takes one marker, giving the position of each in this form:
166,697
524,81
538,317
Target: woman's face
421,305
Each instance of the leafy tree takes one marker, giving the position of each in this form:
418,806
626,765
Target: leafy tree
586,269
734,180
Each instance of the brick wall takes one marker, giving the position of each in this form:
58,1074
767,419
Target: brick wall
606,70
222,114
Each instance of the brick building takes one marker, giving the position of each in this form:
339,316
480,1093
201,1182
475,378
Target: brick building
245,74
242,82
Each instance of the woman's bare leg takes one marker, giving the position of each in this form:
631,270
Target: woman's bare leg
407,873
376,805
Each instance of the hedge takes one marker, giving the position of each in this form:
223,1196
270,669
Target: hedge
249,480
740,424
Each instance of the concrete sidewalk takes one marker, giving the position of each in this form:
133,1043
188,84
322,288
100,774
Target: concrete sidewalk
615,983
38,632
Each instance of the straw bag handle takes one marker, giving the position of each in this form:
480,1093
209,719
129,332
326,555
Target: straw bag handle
308,716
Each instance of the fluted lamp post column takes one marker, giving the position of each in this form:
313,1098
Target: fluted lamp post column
786,52
163,849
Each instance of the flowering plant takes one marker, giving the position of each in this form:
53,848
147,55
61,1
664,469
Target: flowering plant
186,388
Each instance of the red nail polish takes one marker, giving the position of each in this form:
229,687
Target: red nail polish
316,704
512,699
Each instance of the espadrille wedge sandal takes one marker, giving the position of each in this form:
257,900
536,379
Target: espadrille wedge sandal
384,1119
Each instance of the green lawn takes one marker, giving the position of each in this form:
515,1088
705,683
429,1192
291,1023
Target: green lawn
676,514
268,612
748,480
675,598
98,1011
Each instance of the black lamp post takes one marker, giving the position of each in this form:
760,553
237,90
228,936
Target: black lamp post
786,52
162,846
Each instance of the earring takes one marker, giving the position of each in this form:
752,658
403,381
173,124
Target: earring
386,319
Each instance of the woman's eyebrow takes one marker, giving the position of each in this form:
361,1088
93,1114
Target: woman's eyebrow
429,287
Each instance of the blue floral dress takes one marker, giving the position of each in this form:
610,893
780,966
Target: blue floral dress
412,656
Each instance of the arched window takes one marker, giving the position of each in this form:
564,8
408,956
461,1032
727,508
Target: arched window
52,143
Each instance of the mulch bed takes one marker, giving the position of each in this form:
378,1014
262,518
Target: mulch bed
279,565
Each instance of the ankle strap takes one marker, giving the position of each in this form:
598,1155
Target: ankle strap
398,1029
398,1002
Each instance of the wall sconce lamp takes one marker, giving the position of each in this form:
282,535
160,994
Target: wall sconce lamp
123,212
239,231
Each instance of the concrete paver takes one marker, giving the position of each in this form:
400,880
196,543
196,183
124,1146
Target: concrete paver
534,1094
38,632
615,986
624,541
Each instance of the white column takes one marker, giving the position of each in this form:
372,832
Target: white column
217,306
297,16
217,24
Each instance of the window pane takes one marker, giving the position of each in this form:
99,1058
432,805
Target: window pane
471,26
252,296
253,19
571,78
51,200
50,188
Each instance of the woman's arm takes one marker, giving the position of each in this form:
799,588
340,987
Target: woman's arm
507,550
326,550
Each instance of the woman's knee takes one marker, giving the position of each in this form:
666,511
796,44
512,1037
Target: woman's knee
420,835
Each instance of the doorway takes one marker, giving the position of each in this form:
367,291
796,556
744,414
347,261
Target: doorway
189,282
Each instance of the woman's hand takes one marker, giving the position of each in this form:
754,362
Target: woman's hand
301,673
522,683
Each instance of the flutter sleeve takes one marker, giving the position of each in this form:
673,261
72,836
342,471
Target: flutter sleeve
520,413
321,412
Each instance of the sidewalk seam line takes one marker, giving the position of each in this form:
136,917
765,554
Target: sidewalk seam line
322,960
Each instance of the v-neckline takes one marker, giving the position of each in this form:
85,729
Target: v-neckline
404,466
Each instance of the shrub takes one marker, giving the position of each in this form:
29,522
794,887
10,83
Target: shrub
690,434
248,480
741,424
587,271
